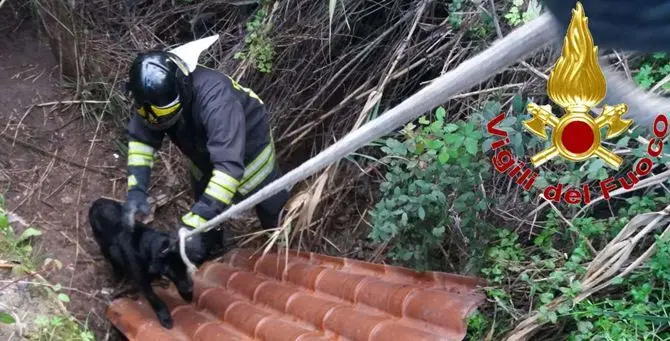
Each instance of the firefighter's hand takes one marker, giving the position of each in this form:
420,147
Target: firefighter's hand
196,250
136,203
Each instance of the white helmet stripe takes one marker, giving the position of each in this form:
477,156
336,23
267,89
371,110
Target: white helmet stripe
190,52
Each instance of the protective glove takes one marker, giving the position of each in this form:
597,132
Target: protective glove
196,250
136,202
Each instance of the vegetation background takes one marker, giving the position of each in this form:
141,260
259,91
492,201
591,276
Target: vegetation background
424,197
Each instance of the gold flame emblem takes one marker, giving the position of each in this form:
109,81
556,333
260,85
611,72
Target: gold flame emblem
577,84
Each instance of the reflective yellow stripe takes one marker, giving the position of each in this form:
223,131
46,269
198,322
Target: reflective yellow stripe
224,180
140,160
165,110
250,92
255,165
132,181
261,175
219,193
139,148
193,220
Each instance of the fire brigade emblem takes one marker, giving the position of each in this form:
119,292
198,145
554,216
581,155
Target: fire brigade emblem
577,84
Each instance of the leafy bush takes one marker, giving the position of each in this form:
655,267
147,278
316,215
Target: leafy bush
517,16
633,309
16,248
433,193
257,45
652,69
432,185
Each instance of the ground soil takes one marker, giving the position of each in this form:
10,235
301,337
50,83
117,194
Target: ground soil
54,195
50,194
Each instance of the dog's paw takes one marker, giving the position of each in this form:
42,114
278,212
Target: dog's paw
165,319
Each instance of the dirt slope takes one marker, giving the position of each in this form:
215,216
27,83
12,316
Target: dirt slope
54,195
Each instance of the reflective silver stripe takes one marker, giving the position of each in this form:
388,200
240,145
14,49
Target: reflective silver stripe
257,163
257,178
140,148
224,180
140,160
193,220
219,193
132,181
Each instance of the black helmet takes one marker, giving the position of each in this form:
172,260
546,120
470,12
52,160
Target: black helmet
157,81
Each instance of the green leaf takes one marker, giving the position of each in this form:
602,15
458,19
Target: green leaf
422,213
435,144
455,140
517,141
617,280
41,320
658,55
450,127
63,297
553,317
6,318
435,127
440,113
596,165
57,287
622,142
584,326
29,232
444,155
471,146
423,120
546,297
476,134
438,231
487,144
508,121
517,104
540,182
491,109
397,147
4,222
565,179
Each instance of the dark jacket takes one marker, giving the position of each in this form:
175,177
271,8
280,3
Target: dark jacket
223,128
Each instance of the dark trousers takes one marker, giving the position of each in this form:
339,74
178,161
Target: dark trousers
267,211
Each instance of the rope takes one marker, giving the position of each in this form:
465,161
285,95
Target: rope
504,52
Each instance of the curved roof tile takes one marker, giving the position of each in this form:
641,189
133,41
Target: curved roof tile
306,296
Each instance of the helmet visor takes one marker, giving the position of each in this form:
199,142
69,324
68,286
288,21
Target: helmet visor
158,115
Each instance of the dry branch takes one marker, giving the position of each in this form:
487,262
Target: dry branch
605,268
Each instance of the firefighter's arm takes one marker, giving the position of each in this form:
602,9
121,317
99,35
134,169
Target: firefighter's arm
142,145
223,118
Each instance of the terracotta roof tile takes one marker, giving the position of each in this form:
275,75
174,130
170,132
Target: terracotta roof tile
306,297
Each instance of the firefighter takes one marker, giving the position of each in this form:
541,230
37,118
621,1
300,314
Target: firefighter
219,125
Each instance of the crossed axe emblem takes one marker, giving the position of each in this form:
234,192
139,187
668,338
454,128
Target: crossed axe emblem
568,128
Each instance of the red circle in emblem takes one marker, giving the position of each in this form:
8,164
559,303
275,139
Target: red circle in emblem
577,137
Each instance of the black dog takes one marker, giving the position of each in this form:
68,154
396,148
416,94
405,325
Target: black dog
144,254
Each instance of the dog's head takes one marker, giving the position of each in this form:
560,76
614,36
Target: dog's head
197,247
167,262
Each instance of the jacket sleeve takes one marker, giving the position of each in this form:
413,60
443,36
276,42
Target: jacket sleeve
224,122
142,144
